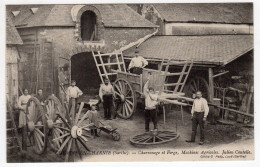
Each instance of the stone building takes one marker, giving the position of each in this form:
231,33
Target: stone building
59,40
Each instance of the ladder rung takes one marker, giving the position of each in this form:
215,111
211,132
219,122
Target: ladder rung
177,73
109,64
10,138
9,129
109,74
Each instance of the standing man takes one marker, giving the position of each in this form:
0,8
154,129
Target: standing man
199,113
137,63
106,93
40,96
73,92
151,100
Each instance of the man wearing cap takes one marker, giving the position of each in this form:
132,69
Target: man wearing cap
106,93
73,92
199,113
137,63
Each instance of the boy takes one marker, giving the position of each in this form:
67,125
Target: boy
93,118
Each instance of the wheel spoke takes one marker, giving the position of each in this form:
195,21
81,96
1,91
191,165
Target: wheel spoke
85,139
59,127
123,111
149,138
77,146
38,131
119,90
65,135
128,101
79,112
129,108
119,83
159,138
82,143
39,139
64,121
36,141
63,145
83,118
68,150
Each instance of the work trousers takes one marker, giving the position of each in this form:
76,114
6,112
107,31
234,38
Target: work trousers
70,103
107,104
137,70
150,115
197,120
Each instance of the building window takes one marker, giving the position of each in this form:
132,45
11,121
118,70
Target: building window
88,26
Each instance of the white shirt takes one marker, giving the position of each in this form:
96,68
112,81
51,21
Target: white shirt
73,92
200,105
106,90
138,62
22,101
151,100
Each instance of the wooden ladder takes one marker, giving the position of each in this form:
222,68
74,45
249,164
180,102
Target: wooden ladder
176,87
13,140
107,63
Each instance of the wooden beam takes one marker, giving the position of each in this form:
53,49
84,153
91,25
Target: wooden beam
211,85
220,74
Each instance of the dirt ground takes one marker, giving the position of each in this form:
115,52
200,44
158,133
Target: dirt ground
215,135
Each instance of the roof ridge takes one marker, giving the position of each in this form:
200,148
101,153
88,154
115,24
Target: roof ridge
141,16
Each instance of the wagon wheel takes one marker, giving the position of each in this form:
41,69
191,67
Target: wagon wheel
75,130
125,101
196,84
115,136
53,106
154,137
36,125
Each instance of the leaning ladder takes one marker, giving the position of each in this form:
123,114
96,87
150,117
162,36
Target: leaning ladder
13,140
172,86
108,62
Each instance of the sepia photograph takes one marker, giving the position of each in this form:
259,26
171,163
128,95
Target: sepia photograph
115,82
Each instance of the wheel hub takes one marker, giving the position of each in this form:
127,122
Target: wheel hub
122,98
50,123
76,131
31,126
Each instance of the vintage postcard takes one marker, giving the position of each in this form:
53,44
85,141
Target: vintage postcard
129,82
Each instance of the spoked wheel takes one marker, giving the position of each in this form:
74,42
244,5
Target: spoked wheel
115,136
75,130
197,84
36,125
125,101
54,124
154,137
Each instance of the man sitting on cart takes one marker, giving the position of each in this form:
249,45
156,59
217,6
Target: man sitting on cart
151,101
137,64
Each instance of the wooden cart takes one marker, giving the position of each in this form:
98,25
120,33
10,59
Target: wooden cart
129,87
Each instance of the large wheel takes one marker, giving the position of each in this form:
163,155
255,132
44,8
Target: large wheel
154,137
197,84
125,102
75,131
53,106
36,125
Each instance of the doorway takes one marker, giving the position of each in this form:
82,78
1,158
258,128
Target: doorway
84,71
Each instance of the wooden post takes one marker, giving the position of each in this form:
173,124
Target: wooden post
164,117
211,85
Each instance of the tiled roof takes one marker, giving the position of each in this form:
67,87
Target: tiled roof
218,49
12,36
207,12
119,15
